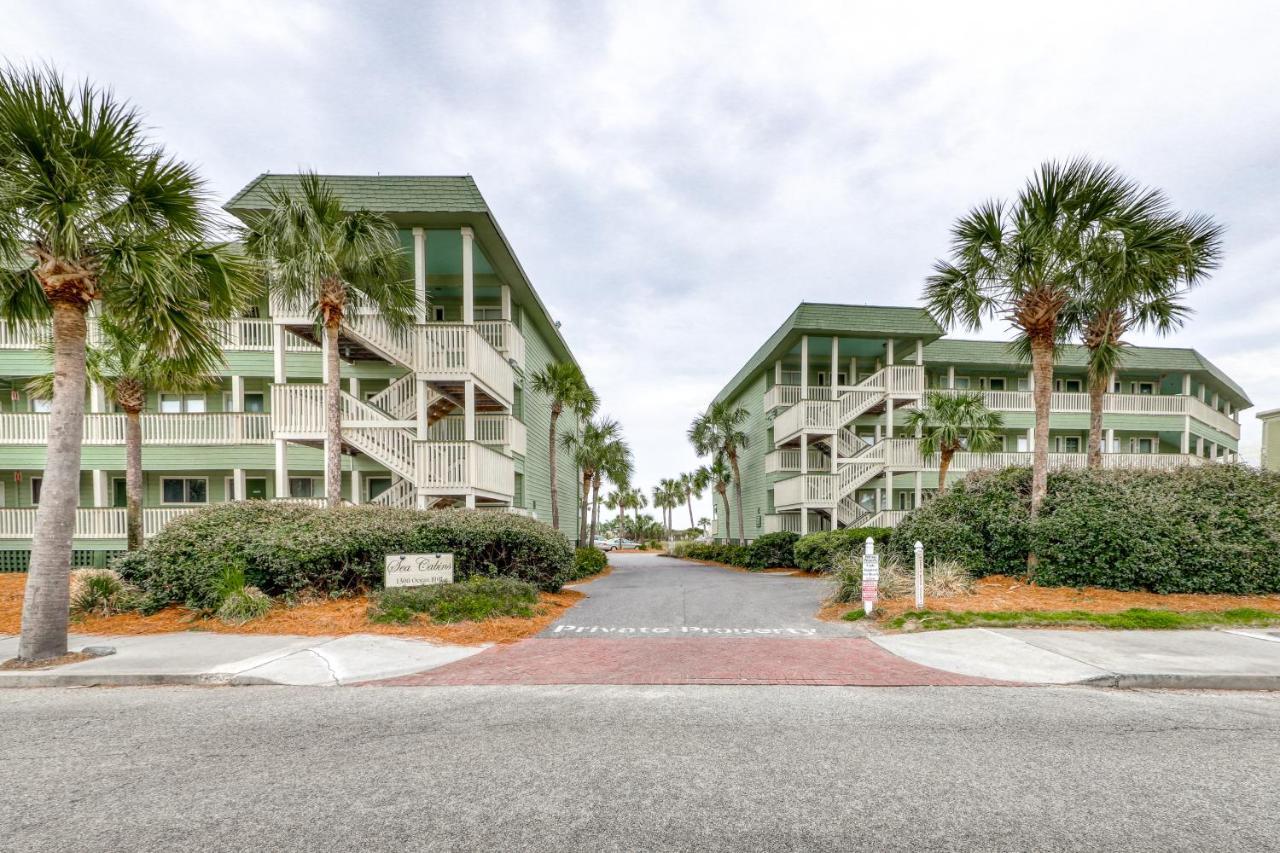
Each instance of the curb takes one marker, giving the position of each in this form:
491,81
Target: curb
1172,681
207,679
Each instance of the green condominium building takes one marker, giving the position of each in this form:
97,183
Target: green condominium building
825,395
1270,439
440,414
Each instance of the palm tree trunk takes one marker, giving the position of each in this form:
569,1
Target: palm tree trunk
1097,388
1041,394
636,531
944,462
737,495
689,499
332,418
728,516
46,601
595,508
133,479
584,503
551,455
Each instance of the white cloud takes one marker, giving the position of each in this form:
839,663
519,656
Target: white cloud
676,176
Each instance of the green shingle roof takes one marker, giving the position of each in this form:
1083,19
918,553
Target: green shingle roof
382,193
1155,359
819,318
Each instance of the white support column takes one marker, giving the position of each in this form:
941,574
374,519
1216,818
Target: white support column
804,366
470,501
420,501
239,484
888,417
1031,380
1186,384
101,488
804,453
1199,445
420,397
1215,400
919,353
1111,441
835,364
919,489
888,353
1186,435
469,415
97,398
357,485
506,302
468,277
277,349
804,519
353,387
777,372
282,468
1031,439
420,272
951,376
237,393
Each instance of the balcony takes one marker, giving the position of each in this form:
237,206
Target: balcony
239,335
788,459
27,428
1119,404
505,338
461,467
501,430
806,489
448,354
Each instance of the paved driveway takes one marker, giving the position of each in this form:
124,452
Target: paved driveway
650,596
656,620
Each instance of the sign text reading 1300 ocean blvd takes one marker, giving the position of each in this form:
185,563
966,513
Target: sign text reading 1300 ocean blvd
418,569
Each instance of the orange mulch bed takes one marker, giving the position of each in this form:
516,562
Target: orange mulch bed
318,618
999,592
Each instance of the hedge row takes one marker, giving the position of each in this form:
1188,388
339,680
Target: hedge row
773,550
1203,529
817,552
286,549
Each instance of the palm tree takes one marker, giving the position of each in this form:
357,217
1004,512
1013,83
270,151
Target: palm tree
665,497
704,524
718,430
1022,264
948,423
92,212
329,258
617,499
693,484
719,475
598,445
1150,259
637,501
127,367
564,383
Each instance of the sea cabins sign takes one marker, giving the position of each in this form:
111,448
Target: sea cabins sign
418,569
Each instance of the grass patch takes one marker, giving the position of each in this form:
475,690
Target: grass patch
854,615
473,600
1135,618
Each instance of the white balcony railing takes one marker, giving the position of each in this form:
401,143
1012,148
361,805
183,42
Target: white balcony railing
788,459
805,489
31,428
91,523
505,338
297,409
454,350
443,467
239,335
1120,404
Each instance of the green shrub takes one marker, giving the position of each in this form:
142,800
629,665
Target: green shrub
587,562
1202,529
101,592
472,600
774,550
846,571
816,552
244,605
285,549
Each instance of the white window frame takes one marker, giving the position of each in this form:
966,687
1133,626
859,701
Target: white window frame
1060,443
1023,444
1138,386
185,502
437,313
184,403
963,383
1060,385
40,405
1004,383
1024,384
1135,444
488,313
226,402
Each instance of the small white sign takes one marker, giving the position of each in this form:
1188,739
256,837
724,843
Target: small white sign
871,567
418,569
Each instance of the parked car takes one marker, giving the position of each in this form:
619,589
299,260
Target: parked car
605,544
615,543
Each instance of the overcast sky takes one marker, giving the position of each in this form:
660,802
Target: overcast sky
676,177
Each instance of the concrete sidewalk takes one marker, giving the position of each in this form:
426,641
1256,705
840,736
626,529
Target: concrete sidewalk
201,658
1211,660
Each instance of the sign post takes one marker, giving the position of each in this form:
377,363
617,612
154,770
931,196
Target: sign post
919,575
417,569
870,576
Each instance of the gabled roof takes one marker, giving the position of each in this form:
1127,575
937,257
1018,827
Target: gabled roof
1154,359
433,201
853,321
383,193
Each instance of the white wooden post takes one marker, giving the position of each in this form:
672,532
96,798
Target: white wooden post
804,366
239,485
101,488
506,302
951,376
919,353
777,372
835,364
468,277
420,400
919,575
357,485
420,273
237,393
277,352
870,576
282,468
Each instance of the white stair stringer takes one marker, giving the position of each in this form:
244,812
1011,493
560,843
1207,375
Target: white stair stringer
401,495
391,446
373,332
859,469
852,513
399,399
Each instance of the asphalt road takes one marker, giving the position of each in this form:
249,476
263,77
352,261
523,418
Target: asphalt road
650,596
635,768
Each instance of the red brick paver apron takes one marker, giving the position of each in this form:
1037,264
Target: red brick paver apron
835,661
